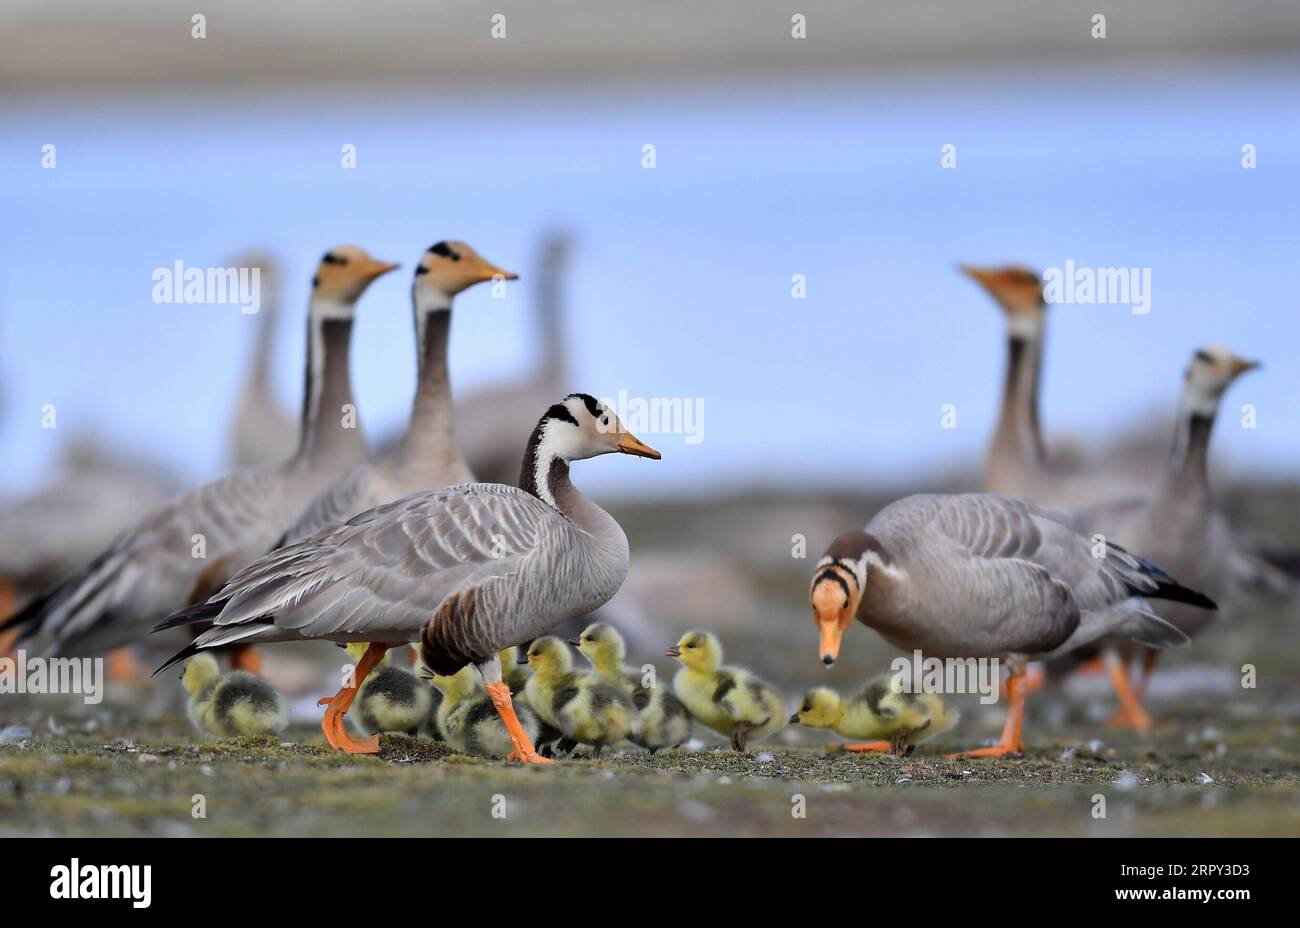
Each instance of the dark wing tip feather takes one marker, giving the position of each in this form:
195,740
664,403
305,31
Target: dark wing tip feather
183,654
199,612
31,614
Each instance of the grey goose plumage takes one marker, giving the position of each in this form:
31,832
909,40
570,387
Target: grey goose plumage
981,575
185,550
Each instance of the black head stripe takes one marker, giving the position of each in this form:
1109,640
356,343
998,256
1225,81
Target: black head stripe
444,250
561,412
420,269
1203,355
829,574
315,282
848,567
331,258
593,405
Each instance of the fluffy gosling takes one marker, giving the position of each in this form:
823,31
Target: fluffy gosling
236,704
876,712
586,708
665,723
468,720
730,700
390,699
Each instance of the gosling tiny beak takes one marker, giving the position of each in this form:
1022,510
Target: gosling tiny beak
674,651
630,444
576,642
521,659
794,719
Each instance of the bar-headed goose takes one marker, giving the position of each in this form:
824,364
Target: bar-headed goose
466,570
983,576
262,430
427,457
184,551
1016,464
1178,525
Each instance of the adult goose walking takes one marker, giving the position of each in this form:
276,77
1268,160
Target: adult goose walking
187,549
428,457
1179,527
984,576
467,570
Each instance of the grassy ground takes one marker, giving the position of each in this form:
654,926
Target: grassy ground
1223,759
104,783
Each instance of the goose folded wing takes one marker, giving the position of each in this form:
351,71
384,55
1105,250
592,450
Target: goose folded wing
385,571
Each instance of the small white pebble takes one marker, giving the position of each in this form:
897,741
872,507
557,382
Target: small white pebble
1094,746
903,780
1204,778
1068,753
1125,781
765,758
148,758
207,771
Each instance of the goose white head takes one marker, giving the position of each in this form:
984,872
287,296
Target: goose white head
1018,290
344,273
574,429
1210,372
447,268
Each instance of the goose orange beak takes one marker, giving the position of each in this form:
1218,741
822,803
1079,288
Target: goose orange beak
630,444
380,268
830,642
490,272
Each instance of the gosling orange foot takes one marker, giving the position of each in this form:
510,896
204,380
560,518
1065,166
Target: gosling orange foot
864,747
1135,718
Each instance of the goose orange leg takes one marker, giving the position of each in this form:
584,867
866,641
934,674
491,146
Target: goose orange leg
340,702
525,752
1148,668
7,639
1011,742
243,657
864,747
1130,713
123,666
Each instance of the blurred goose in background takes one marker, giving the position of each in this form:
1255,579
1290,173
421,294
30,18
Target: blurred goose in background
97,492
184,551
467,570
262,430
980,575
427,457
1018,464
1178,525
489,422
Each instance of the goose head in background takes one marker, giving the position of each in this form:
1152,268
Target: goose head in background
1016,463
344,273
1209,374
448,268
1018,290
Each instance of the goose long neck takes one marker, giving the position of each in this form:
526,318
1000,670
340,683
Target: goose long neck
331,427
1018,429
550,334
259,374
1188,470
430,436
